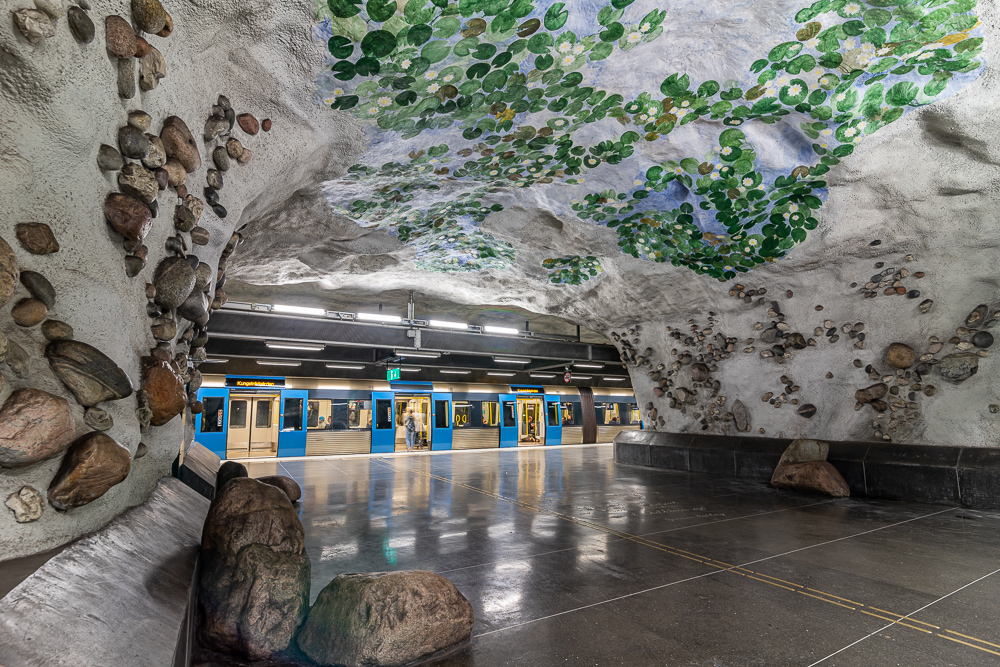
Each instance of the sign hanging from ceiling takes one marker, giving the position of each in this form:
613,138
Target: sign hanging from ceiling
391,374
237,381
567,376
518,389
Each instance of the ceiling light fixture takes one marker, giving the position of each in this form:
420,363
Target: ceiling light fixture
346,367
542,375
583,377
512,360
310,347
215,360
613,378
500,330
579,365
450,372
443,324
410,369
279,363
503,375
379,317
418,354
297,310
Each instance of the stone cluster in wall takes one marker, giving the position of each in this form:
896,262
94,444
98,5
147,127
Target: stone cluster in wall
36,425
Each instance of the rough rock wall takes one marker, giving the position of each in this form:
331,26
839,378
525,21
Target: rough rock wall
59,101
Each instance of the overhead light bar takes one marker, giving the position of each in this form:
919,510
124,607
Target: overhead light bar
310,347
542,375
379,317
450,372
579,365
583,377
297,310
418,354
621,393
503,375
215,360
500,330
512,360
613,378
443,324
410,369
279,363
346,367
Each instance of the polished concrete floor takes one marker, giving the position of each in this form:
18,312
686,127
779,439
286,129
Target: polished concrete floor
569,559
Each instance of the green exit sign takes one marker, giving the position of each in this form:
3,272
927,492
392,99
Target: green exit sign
392,374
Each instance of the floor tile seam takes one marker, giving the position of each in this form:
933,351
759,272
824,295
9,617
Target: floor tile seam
739,518
912,613
673,551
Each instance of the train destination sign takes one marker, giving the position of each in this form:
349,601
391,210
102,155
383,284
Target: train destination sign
526,390
254,382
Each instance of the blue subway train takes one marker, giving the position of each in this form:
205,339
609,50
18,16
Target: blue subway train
251,417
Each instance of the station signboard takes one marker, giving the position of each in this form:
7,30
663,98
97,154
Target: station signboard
391,374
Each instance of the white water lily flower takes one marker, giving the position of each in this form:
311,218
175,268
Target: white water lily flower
433,88
634,37
384,101
578,49
646,27
565,47
568,60
430,74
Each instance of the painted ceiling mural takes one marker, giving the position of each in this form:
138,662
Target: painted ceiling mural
473,106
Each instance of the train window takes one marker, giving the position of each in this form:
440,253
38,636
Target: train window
359,414
211,416
633,414
463,414
383,413
553,414
441,414
570,413
263,417
293,414
238,414
509,413
612,415
491,413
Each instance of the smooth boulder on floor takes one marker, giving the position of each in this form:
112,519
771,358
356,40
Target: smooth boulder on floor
227,471
286,484
383,619
811,477
254,583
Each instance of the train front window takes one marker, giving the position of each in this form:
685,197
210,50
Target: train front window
211,418
509,413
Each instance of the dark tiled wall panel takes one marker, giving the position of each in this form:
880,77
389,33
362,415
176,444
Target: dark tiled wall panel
924,473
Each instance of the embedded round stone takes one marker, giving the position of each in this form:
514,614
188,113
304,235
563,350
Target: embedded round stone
900,356
200,236
168,28
80,25
39,287
221,158
139,182
266,125
130,217
180,144
149,15
98,419
34,425
164,389
109,159
176,173
8,272
982,339
28,312
56,330
234,148
157,156
37,238
34,24
133,142
195,306
248,123
959,367
92,466
90,374
174,279
120,37
142,47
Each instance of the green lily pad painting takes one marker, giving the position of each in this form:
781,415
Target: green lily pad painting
473,106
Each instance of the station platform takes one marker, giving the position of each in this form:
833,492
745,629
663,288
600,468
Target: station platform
569,558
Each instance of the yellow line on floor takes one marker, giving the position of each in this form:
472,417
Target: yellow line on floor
704,560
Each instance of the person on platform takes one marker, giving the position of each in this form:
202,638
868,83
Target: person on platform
411,429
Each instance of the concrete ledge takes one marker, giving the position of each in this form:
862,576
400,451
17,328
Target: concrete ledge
923,473
199,469
118,597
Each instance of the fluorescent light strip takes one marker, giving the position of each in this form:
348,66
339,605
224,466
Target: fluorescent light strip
297,310
442,324
447,372
503,375
500,330
216,360
609,378
583,377
542,375
345,367
511,360
279,363
379,317
311,347
589,365
418,354
409,369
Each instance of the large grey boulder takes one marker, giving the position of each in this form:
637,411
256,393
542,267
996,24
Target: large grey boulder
803,467
254,583
383,619
803,450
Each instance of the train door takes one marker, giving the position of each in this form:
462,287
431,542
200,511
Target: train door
420,405
553,421
441,419
383,424
508,420
211,423
292,432
253,426
530,427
